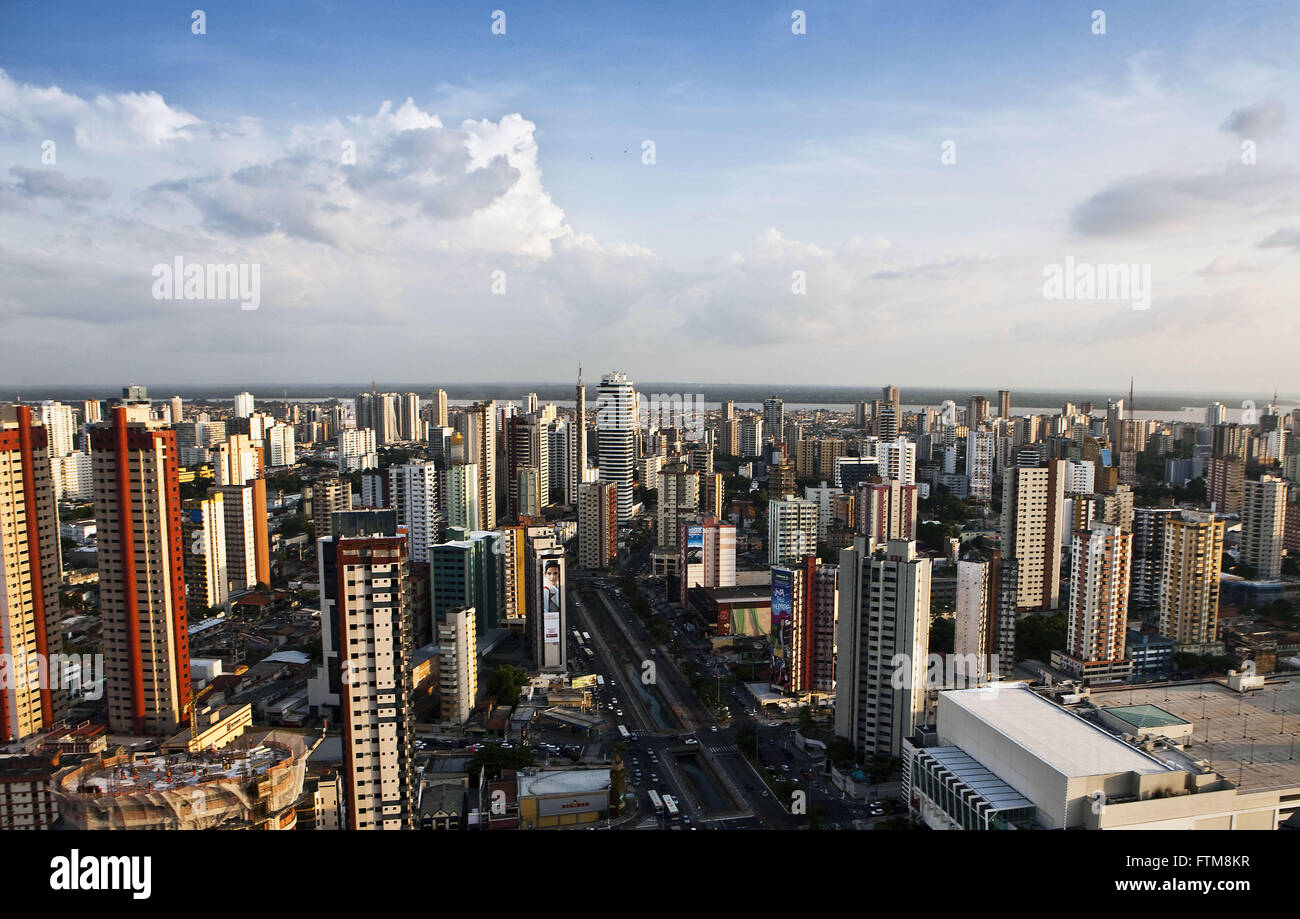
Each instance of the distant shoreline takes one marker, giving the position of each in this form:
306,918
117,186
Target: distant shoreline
832,397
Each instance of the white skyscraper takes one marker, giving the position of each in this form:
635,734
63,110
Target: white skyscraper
616,428
898,460
280,444
357,450
979,463
243,405
413,493
791,530
1263,519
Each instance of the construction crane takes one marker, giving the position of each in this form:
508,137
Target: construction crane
191,709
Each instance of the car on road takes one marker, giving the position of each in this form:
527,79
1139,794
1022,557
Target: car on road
619,712
690,740
714,729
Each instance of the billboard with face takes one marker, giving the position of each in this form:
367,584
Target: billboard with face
551,597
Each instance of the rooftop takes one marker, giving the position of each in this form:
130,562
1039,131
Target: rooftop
1145,716
1056,736
997,792
563,782
1251,738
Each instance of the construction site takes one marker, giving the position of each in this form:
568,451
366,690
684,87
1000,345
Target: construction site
251,784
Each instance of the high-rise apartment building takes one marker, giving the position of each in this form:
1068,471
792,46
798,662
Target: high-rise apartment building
883,645
751,437
679,498
467,570
280,445
886,510
706,554
791,530
248,552
409,424
512,550
477,426
1150,528
243,404
413,493
457,665
547,602
985,636
357,450
1032,510
805,604
366,638
1225,483
528,490
616,430
980,446
30,574
440,408
1098,611
238,460
774,416
142,605
577,460
203,536
328,496
898,460
711,494
1191,564
1004,403
597,525
460,490
1263,525
729,436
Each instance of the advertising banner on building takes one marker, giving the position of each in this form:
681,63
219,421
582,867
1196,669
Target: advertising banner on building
782,624
551,601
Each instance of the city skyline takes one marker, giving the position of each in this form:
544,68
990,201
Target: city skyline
775,153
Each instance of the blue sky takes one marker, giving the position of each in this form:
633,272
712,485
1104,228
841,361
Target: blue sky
774,153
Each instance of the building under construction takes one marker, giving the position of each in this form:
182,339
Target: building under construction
251,784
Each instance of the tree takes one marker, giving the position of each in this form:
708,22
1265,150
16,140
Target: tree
506,682
1038,636
943,630
494,758
881,766
935,535
293,525
747,739
805,721
840,752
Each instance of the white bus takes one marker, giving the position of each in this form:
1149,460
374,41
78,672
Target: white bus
622,732
591,655
577,636
600,681
656,802
587,635
670,805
